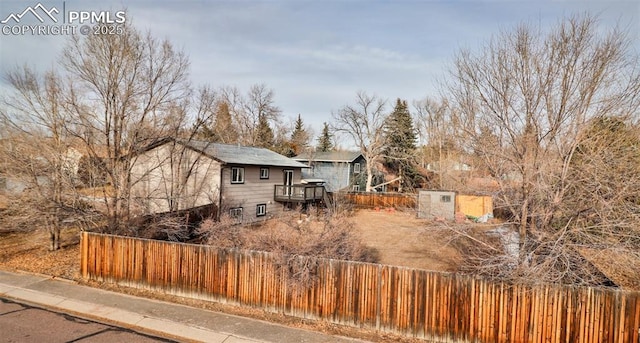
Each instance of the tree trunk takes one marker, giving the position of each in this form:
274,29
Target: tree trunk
54,238
369,177
524,213
54,232
400,175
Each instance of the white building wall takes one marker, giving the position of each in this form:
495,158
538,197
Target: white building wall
170,177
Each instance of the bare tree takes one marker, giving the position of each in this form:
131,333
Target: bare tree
437,127
205,114
525,101
258,105
126,91
240,118
112,95
364,123
38,153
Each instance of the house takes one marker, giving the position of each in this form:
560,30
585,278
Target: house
27,162
248,183
340,170
448,166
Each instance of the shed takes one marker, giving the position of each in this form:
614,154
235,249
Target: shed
436,204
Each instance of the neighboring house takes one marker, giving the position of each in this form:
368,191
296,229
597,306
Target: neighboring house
41,156
448,166
25,165
340,170
248,183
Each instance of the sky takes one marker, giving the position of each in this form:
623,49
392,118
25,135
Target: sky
314,55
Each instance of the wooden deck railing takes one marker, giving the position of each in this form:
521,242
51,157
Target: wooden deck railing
298,193
436,306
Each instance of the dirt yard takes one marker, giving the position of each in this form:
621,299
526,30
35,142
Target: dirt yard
404,240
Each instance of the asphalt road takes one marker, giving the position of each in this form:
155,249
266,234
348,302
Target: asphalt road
21,322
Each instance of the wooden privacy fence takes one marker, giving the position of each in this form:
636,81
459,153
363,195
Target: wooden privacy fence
437,306
396,200
474,205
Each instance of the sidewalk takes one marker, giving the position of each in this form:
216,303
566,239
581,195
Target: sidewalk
146,315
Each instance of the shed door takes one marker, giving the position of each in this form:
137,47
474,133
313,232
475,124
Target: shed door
424,205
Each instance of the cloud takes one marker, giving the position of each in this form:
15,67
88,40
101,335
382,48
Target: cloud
317,55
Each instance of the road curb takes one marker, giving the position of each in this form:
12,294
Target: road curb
127,319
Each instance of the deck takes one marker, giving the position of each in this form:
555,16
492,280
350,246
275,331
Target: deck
298,193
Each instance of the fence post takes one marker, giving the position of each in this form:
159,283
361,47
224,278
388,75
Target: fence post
84,252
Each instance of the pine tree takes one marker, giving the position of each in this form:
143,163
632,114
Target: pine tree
220,129
299,137
325,141
204,130
401,145
223,129
264,133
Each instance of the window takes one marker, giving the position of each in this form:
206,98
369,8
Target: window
237,175
355,188
445,198
261,210
264,173
356,168
235,212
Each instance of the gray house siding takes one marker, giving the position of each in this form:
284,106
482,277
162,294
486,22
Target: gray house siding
254,191
338,175
358,177
335,174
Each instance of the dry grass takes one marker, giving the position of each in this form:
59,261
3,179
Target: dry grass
4,202
28,251
297,241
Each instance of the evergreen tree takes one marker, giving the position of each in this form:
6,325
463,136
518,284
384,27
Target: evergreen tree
299,137
605,167
401,145
220,129
264,133
325,141
223,129
204,130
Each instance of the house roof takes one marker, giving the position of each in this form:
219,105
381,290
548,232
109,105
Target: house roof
236,154
329,156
